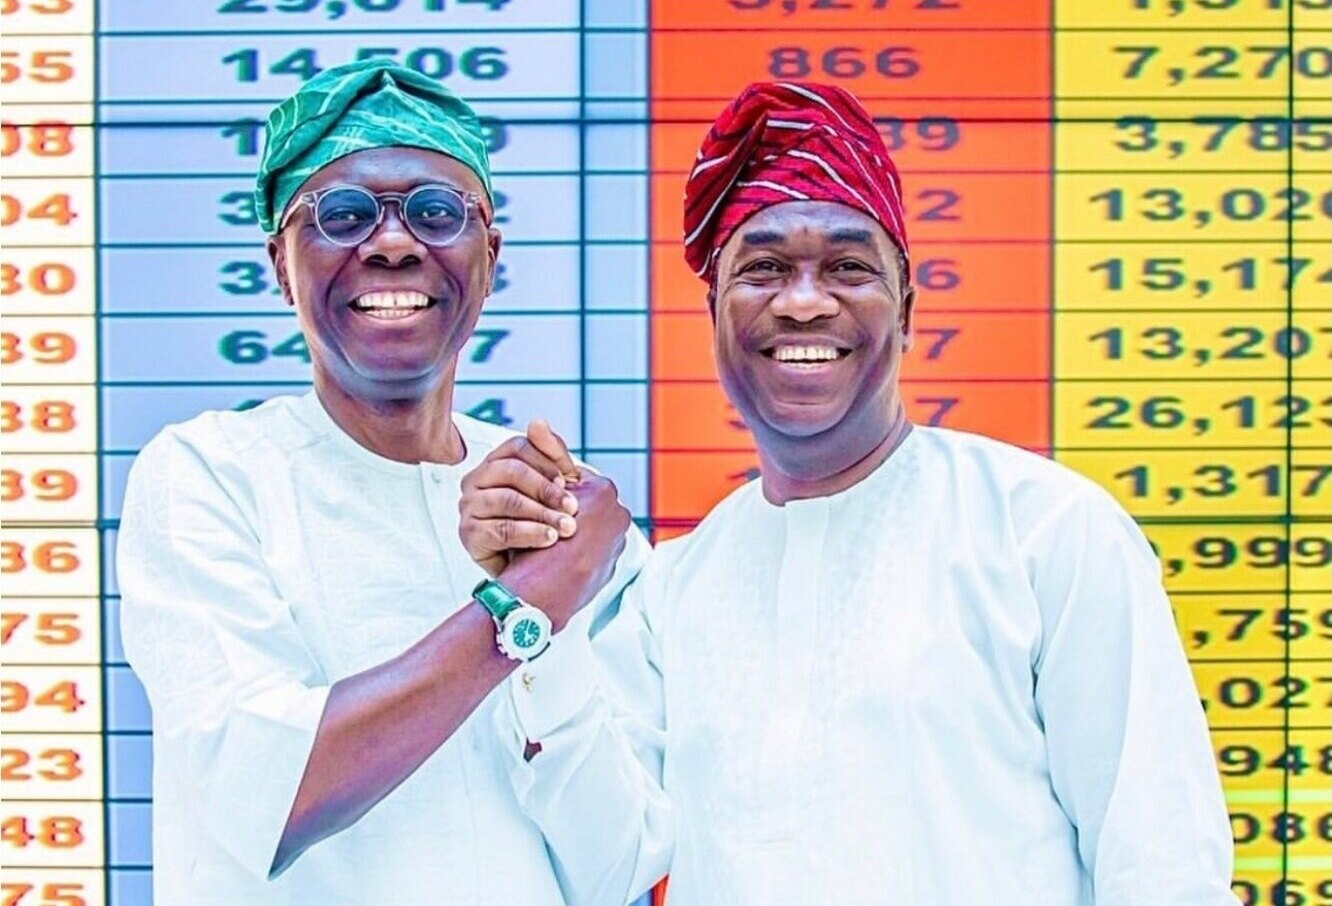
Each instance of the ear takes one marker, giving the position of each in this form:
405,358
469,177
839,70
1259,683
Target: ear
905,318
277,254
494,239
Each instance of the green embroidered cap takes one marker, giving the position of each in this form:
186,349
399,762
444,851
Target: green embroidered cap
367,104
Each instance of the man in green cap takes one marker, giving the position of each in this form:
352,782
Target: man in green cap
331,679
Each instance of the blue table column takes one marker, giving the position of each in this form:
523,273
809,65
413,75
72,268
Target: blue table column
614,151
191,315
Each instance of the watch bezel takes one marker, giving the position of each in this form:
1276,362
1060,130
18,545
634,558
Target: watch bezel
504,637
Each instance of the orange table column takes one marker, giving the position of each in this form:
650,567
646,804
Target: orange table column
962,101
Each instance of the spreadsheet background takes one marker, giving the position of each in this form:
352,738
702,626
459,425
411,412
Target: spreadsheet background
1121,226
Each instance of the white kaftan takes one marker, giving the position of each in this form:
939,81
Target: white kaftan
957,682
263,556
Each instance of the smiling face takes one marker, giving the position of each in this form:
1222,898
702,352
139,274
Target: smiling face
386,320
811,322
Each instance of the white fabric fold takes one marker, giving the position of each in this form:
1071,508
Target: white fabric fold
262,557
956,682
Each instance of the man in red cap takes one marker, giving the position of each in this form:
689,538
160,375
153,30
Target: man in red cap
907,665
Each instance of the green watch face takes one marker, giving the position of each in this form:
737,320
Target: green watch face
526,633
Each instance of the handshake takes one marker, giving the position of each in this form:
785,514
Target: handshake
548,530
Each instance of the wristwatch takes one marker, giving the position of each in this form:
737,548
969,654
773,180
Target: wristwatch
522,631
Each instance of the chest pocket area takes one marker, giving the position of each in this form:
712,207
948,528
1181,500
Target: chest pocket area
719,663
378,605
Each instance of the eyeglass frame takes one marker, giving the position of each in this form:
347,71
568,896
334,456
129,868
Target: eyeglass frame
311,199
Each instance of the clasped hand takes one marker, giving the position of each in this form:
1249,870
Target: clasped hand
550,531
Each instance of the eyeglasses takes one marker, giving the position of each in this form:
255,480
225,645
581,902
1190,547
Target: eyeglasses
348,215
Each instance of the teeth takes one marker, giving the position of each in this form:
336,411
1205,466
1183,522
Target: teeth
392,301
805,354
389,314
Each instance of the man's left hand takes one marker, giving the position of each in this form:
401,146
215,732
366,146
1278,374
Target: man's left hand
517,499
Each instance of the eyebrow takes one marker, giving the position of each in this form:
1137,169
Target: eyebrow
763,237
850,234
841,234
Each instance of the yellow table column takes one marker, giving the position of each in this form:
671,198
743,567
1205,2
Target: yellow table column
51,820
1193,368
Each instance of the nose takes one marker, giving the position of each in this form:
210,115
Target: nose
391,244
804,299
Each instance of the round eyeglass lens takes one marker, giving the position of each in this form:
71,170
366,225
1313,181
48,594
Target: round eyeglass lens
347,215
435,214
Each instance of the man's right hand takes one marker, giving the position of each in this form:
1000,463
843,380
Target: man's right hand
518,522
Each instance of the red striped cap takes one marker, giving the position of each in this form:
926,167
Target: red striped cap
787,141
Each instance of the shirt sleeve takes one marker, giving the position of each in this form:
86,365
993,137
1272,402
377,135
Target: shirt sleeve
236,693
597,710
1129,755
